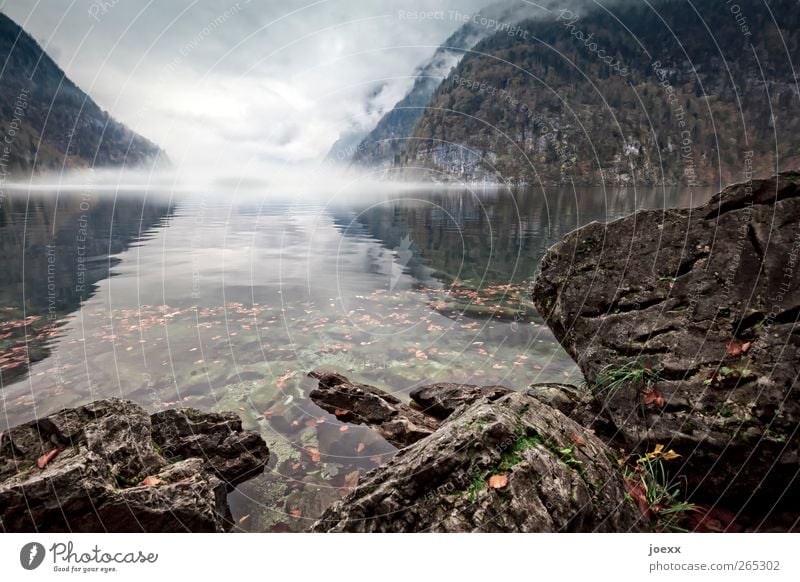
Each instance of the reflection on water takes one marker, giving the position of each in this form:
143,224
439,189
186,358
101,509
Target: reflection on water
220,302
53,252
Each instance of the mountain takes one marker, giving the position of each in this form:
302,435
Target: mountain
382,146
343,148
682,93
48,123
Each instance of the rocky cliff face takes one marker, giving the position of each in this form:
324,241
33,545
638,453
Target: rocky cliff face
661,95
48,123
685,324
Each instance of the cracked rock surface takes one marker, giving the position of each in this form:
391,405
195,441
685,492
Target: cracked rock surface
109,466
709,298
497,464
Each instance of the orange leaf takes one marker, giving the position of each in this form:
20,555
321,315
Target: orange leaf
360,448
295,512
151,481
351,479
653,396
637,492
577,440
340,412
46,458
498,481
244,518
313,453
735,348
344,428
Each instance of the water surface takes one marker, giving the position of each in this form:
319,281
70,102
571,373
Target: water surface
224,302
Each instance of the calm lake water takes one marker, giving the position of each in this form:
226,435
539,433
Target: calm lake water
224,302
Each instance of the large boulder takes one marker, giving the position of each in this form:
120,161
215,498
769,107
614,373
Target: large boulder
684,322
504,464
109,466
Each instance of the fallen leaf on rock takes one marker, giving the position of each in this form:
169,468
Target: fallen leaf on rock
639,495
151,481
653,396
498,481
577,440
736,348
42,461
340,412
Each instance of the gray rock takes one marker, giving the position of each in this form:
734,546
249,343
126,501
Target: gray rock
707,299
579,405
110,472
440,400
544,481
395,421
217,438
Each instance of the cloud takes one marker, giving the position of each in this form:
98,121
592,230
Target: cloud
240,82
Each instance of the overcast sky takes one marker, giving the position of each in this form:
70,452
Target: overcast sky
220,82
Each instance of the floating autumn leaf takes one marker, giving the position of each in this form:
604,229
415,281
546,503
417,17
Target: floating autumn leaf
281,382
351,479
42,461
340,412
421,355
653,396
151,481
244,518
498,481
344,428
360,448
313,452
296,512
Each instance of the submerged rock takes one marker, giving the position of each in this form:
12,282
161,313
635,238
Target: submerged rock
504,463
109,466
395,421
695,311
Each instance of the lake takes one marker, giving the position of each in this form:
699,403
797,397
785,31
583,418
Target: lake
224,301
